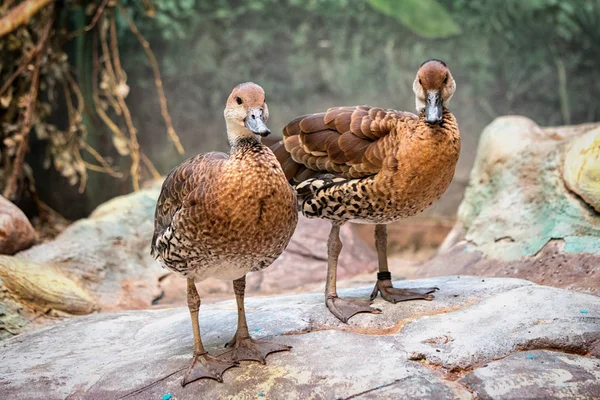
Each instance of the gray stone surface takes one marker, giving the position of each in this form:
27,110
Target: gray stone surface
523,318
413,350
517,201
537,374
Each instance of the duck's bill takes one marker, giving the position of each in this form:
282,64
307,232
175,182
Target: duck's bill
433,108
256,124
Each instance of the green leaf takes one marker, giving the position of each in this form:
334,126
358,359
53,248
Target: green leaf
426,18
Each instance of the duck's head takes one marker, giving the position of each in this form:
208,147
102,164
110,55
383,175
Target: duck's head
433,87
246,112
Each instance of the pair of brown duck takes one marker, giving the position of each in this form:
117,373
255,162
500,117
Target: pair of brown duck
224,215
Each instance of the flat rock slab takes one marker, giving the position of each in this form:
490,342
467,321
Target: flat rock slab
458,346
537,374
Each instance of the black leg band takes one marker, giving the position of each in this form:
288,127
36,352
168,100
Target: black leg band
384,276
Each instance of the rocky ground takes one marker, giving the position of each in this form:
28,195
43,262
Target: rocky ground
479,338
530,211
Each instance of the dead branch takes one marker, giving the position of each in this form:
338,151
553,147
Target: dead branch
77,91
18,71
105,166
112,77
115,53
21,67
11,185
83,174
20,15
106,54
157,79
134,146
150,166
92,24
563,92
96,98
69,102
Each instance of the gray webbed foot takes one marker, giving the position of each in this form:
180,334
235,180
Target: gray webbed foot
395,295
206,366
346,309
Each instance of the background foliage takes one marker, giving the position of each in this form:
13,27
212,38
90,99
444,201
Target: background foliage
531,57
534,58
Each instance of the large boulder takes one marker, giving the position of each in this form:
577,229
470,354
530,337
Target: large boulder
103,263
16,232
97,263
528,211
582,167
479,338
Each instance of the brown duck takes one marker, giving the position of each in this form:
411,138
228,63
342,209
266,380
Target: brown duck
223,216
373,166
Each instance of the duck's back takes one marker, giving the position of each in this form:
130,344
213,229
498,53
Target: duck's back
391,164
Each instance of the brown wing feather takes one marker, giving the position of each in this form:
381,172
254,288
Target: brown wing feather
347,141
179,183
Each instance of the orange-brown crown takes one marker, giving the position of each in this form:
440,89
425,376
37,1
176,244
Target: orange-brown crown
247,94
433,75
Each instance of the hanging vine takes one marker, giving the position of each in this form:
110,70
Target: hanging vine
35,74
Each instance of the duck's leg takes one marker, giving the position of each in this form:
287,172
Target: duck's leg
342,309
244,347
203,365
384,277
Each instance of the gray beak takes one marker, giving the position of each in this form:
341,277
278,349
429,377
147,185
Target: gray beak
433,108
255,122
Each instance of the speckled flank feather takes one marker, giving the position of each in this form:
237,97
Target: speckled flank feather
383,165
224,216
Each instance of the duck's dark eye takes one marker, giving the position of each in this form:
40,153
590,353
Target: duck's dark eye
446,79
420,83
239,100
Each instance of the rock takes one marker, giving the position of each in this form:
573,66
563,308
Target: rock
516,201
102,262
581,171
538,374
105,261
524,318
16,232
109,252
518,218
551,266
45,287
31,292
466,340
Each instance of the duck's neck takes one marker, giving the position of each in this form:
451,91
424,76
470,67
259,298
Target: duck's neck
447,126
239,136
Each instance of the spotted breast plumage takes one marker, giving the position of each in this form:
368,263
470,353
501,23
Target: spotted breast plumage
371,165
223,216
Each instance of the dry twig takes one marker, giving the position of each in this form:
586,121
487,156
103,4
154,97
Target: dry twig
134,146
105,166
20,15
97,106
150,166
92,24
11,185
21,67
157,79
